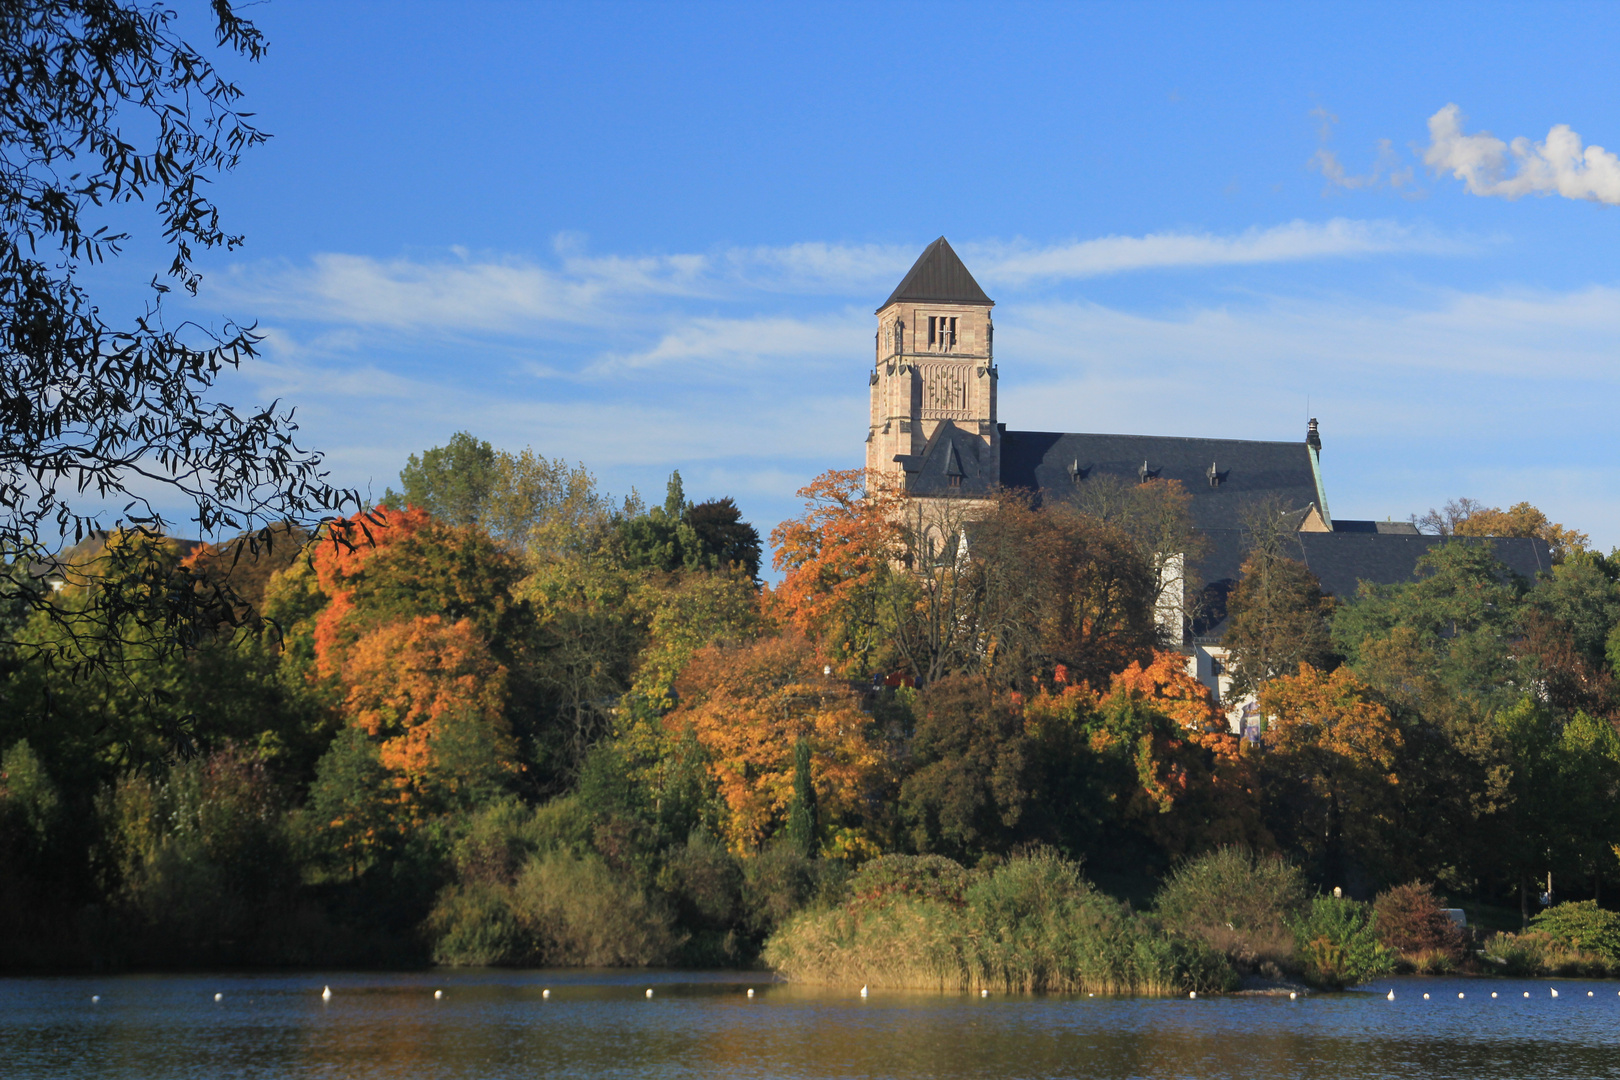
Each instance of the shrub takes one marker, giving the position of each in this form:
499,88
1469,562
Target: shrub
926,877
579,913
1410,920
1033,924
1582,926
474,925
1537,953
1337,943
1238,902
777,882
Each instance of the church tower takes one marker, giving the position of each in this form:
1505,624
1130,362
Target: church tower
934,381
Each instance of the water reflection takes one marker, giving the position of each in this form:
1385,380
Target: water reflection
497,1024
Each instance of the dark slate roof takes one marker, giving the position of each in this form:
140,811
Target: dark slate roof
1246,472
951,452
1341,561
938,275
1399,528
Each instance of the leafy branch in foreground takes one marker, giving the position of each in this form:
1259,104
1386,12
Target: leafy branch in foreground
96,414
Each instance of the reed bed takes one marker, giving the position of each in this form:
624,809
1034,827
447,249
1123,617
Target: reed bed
1032,925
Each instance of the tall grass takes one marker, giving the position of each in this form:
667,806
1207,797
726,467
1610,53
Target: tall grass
1033,924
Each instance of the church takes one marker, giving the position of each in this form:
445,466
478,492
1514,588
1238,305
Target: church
935,428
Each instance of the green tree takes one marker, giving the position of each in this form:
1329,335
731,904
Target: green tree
1463,612
660,538
970,781
348,822
723,538
801,823
452,482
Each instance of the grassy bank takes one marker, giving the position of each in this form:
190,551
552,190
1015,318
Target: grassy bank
1031,924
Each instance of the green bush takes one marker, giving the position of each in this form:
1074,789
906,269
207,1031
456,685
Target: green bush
1238,902
1336,944
1033,924
579,913
474,926
1582,926
925,877
1537,953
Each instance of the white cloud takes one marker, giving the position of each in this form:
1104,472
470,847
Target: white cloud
712,344
470,295
1557,166
1293,242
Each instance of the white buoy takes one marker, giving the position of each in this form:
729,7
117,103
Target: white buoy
1555,993
863,991
1392,995
326,994
95,999
437,994
984,993
1527,993
1292,995
219,997
750,991
1589,993
1425,997
1493,993
1192,995
649,991
1459,995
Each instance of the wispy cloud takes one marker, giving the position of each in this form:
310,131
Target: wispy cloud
1294,242
468,294
714,344
1387,170
1557,166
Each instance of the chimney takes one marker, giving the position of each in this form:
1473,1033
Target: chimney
1313,439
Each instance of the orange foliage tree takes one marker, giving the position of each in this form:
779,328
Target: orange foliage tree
748,706
1155,750
433,696
342,550
1330,750
834,559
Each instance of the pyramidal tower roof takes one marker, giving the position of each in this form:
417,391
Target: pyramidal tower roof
938,276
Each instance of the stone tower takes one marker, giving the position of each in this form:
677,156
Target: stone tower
935,363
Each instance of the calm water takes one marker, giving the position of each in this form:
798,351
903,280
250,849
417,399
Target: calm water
495,1024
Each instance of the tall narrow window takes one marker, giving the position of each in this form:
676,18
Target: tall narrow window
933,331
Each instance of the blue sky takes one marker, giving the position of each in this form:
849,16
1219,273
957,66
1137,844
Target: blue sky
651,236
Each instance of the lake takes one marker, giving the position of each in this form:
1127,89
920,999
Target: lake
497,1024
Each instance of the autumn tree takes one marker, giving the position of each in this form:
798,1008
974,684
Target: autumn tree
1057,587
1144,764
749,706
1328,769
835,559
1469,517
433,697
930,603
